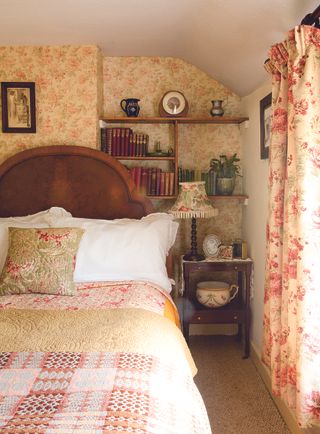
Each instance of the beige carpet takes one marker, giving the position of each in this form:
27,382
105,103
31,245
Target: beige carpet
235,396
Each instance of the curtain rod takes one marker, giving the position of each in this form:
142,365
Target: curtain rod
312,19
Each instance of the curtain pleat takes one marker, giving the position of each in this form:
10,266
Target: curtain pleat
291,342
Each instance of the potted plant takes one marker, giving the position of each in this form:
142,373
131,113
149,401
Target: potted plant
226,169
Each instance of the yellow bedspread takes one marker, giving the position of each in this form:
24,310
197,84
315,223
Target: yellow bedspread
112,330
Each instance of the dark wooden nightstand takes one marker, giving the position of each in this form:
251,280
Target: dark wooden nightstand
236,312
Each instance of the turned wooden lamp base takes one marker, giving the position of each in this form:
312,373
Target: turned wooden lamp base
193,255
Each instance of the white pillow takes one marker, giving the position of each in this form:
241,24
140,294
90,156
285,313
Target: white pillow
41,219
124,249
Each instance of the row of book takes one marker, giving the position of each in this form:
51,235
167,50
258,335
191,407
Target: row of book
186,175
123,142
153,181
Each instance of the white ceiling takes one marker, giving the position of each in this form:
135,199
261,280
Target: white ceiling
228,39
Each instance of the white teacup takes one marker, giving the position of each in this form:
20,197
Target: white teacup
215,294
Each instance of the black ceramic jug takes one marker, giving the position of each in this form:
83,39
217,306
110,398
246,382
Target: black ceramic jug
130,106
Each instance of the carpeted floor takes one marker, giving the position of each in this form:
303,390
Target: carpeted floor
236,399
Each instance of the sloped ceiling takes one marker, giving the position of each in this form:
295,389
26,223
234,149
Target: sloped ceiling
228,39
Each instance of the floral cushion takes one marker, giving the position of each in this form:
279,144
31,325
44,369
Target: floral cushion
40,260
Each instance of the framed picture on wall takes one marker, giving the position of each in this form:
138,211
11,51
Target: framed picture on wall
265,126
18,107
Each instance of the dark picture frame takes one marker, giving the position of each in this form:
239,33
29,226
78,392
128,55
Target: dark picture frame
18,101
265,125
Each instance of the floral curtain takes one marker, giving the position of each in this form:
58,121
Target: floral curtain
291,347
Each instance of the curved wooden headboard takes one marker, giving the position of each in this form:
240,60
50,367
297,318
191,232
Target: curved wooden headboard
84,181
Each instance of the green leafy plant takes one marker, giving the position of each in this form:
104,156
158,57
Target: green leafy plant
226,167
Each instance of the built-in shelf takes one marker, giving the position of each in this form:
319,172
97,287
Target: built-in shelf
177,120
172,158
230,196
226,197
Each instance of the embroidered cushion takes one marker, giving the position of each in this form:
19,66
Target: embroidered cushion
40,260
42,219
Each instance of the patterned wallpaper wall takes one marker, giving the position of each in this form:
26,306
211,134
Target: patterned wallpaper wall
67,101
75,85
148,78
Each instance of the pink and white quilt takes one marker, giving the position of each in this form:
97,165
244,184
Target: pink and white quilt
99,392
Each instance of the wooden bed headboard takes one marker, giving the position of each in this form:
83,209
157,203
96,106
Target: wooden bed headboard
84,181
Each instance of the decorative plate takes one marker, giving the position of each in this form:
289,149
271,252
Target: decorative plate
173,103
211,245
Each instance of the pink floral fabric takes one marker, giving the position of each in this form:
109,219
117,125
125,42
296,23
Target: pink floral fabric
291,346
95,295
40,260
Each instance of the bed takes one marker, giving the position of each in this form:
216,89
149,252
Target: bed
89,335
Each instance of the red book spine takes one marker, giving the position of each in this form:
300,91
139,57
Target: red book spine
114,142
126,142
122,141
149,181
162,183
144,181
171,183
166,190
131,145
154,181
158,181
118,148
134,141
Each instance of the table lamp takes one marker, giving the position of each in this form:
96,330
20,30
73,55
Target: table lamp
192,202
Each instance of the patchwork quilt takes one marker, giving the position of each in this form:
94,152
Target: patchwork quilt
110,359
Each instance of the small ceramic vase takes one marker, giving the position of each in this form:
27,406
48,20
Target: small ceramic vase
217,109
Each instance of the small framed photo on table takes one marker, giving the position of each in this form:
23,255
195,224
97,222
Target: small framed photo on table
225,252
18,107
265,126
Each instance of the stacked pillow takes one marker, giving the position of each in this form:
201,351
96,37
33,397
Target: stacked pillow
124,249
42,260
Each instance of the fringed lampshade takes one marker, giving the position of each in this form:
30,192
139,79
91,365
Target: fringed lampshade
192,202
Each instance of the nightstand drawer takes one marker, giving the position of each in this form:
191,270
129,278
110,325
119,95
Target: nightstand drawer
217,316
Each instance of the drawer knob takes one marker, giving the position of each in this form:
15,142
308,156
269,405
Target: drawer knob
235,317
199,318
235,268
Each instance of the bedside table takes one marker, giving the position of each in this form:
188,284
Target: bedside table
235,312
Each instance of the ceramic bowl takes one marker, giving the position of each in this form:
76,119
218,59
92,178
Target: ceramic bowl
215,294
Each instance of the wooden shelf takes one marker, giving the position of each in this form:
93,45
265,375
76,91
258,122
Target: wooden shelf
177,120
175,123
171,158
231,196
162,197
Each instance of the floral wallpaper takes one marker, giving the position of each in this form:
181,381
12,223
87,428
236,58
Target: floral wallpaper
66,79
76,85
148,78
